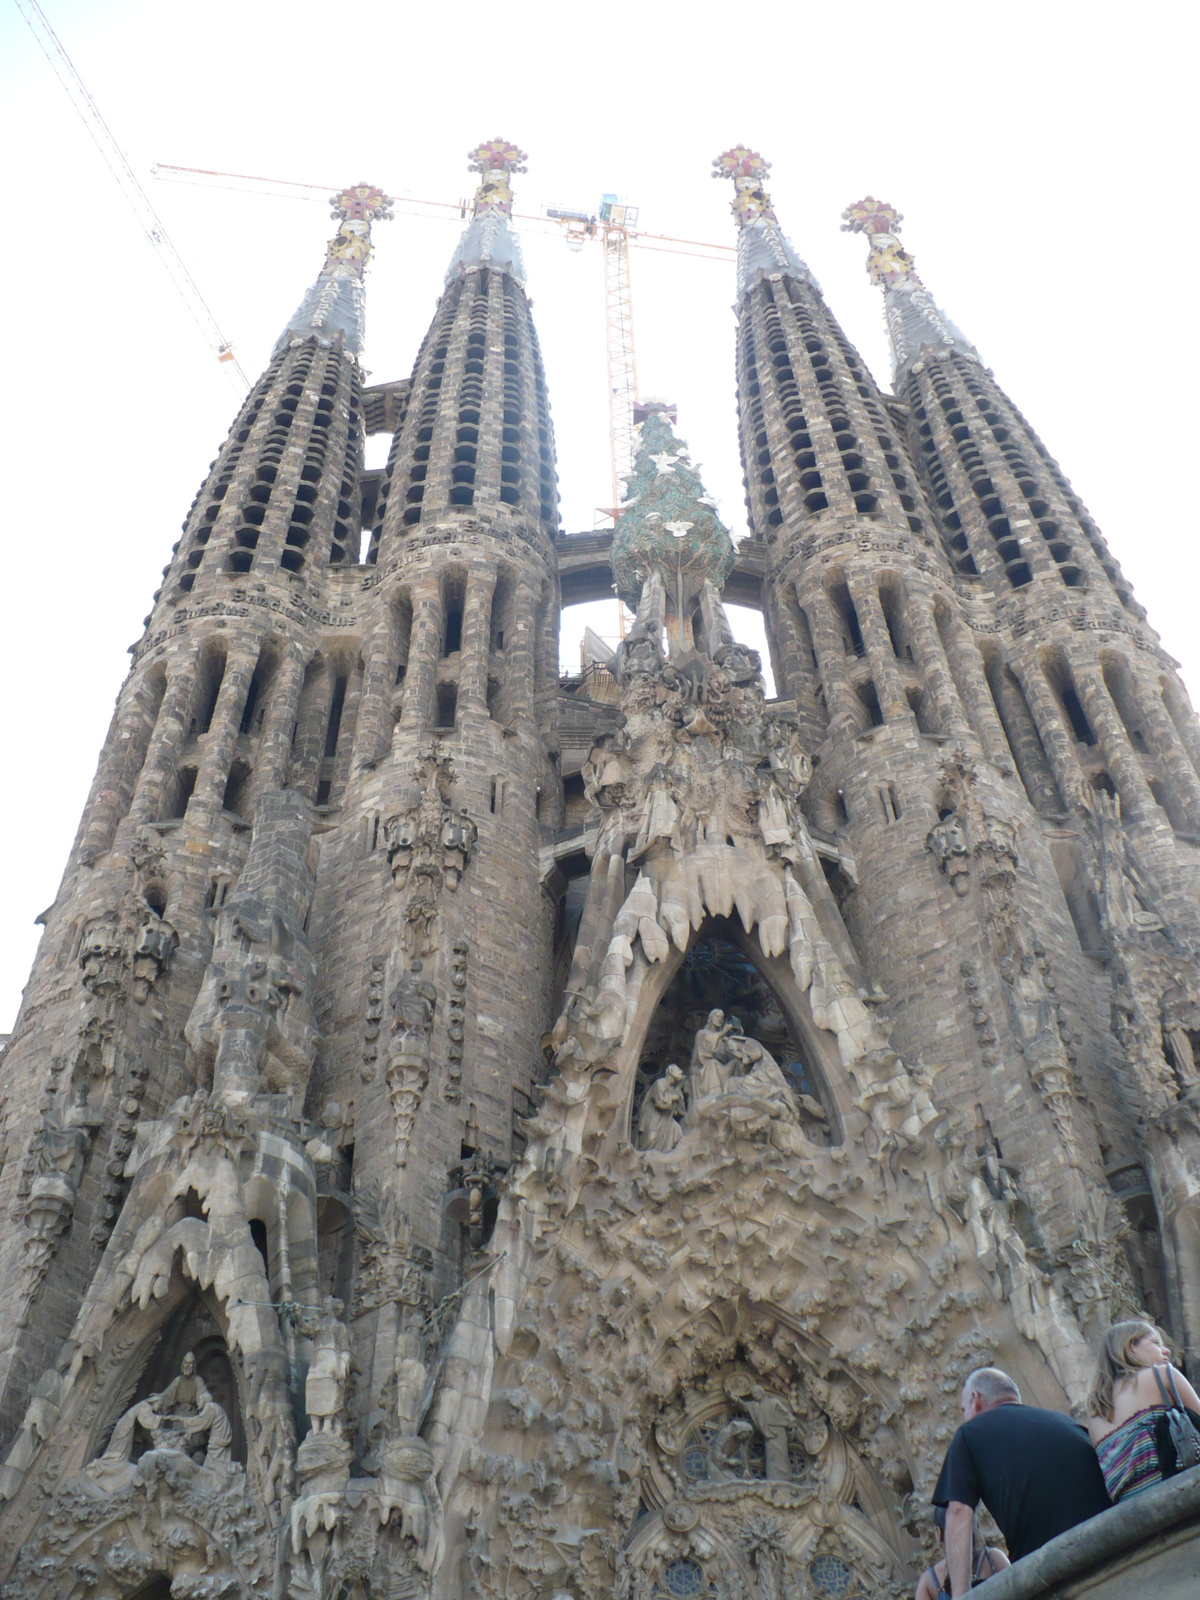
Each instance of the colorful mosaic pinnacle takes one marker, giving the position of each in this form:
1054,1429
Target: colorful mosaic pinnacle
748,170
355,208
669,522
889,262
496,160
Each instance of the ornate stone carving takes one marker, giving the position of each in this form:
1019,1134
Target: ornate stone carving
183,1418
412,1007
252,1021
659,1123
59,1151
328,1366
376,983
428,848
456,1018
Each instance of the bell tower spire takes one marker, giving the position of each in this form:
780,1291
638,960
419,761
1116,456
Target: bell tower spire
764,250
336,302
914,320
489,239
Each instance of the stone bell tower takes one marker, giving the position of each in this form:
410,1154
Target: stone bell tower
476,1132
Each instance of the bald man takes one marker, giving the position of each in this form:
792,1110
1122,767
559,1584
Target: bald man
1035,1470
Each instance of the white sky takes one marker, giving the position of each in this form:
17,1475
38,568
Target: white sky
1042,154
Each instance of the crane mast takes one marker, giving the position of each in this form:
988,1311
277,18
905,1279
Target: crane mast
130,185
617,222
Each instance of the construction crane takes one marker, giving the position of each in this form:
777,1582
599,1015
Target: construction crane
128,182
615,225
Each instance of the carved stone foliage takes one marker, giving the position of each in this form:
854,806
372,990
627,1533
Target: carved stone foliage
198,1178
203,1531
429,845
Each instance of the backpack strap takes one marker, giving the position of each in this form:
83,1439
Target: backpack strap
1162,1388
1174,1389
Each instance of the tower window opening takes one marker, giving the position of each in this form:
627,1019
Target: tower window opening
213,678
336,706
870,699
1080,725
452,637
447,704
185,787
851,631
890,603
890,802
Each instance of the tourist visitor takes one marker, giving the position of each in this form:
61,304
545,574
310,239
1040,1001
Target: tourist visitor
986,1560
1136,1395
1034,1470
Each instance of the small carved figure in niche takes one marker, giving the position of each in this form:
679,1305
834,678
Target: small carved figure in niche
329,1368
458,838
156,943
102,957
400,836
773,1418
1177,1011
412,1376
413,1001
1130,895
183,1413
947,840
41,1415
728,1454
658,1124
1034,1008
790,763
324,1145
711,1066
774,823
65,1144
660,814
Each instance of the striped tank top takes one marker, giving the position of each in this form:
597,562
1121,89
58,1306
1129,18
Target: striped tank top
1129,1456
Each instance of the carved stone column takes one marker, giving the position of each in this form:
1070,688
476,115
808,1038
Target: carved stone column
419,691
970,678
939,680
840,698
373,727
275,749
1057,742
476,636
167,741
221,739
880,656
1169,748
520,654
1119,754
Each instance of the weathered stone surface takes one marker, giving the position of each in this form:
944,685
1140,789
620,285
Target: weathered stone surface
476,1133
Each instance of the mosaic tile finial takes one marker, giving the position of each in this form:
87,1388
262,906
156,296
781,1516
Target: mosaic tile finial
915,323
495,160
355,209
748,170
889,262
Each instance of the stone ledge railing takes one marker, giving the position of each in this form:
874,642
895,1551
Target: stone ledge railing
1148,1546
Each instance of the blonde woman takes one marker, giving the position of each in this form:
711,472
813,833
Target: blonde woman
1133,1385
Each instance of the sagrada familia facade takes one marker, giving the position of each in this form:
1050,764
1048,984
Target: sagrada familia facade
471,1132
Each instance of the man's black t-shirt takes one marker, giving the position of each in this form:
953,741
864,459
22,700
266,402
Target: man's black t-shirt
1036,1471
